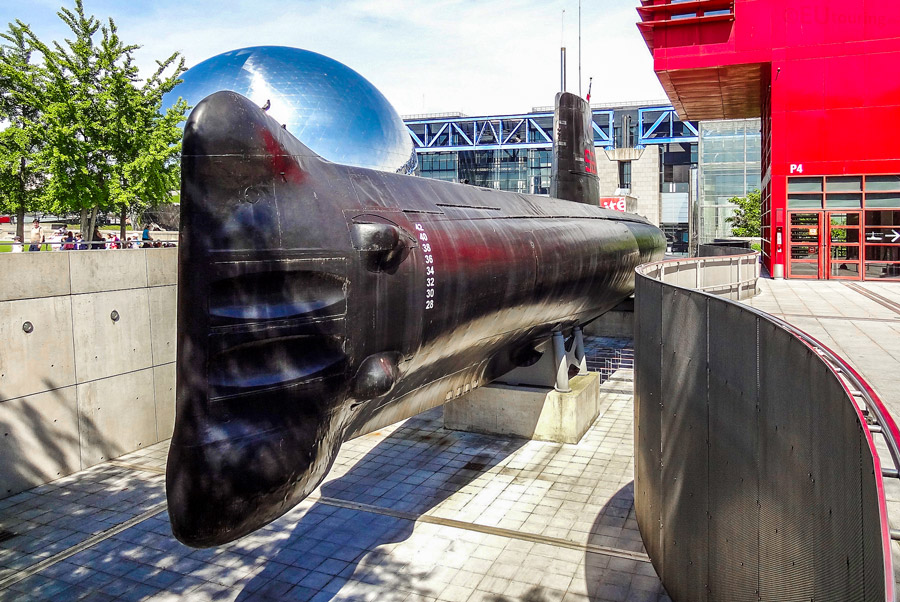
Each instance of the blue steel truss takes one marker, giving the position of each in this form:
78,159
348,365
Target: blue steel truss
530,130
657,125
661,125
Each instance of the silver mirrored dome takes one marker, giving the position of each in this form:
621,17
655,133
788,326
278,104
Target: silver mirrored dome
329,107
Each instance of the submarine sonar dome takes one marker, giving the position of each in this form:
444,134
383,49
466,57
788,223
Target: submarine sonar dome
328,106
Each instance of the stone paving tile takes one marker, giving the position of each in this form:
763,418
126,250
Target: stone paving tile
54,517
506,491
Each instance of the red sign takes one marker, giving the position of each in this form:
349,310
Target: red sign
614,202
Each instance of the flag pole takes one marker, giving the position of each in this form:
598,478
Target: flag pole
579,47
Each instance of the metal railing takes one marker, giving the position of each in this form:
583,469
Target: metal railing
88,246
91,245
606,361
731,276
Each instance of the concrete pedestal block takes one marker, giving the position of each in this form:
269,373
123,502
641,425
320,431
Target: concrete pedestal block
536,413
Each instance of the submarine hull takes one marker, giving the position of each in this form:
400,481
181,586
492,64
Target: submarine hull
317,302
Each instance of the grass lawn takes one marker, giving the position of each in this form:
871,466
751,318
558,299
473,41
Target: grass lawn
7,248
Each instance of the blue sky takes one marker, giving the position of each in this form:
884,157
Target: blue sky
474,56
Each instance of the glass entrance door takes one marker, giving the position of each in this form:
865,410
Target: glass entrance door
882,244
844,248
806,244
843,226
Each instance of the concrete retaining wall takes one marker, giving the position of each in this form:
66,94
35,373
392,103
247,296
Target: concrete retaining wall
95,376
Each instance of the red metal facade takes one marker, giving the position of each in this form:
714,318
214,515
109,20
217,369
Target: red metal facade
824,75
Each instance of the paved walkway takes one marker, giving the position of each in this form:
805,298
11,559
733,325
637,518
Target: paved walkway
412,512
860,321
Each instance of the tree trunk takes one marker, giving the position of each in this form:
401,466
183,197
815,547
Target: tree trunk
92,226
122,215
20,221
85,235
20,209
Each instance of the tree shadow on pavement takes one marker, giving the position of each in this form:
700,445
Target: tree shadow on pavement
332,548
617,577
45,511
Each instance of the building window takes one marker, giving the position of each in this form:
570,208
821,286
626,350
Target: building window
729,153
438,166
625,174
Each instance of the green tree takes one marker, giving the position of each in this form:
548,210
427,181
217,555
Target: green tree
147,143
21,141
108,147
747,219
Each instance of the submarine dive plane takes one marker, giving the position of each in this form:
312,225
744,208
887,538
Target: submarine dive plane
318,302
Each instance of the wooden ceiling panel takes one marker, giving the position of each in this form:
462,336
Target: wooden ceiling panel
726,92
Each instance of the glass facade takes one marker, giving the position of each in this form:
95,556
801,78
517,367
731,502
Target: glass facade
439,166
677,163
513,170
729,163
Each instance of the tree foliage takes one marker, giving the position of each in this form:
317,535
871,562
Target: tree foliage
21,141
747,219
105,145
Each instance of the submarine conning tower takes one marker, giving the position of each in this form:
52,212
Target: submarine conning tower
574,165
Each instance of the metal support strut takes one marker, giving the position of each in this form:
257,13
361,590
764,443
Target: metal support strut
580,359
561,362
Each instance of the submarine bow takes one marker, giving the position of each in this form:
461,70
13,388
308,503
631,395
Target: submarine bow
317,302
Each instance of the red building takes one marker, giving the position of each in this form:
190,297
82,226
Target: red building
824,75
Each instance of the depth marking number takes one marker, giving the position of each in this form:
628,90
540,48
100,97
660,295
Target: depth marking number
429,266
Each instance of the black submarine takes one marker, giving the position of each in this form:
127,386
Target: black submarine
318,302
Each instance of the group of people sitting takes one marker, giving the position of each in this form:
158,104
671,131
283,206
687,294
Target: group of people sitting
63,239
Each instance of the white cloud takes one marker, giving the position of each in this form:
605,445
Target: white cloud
479,57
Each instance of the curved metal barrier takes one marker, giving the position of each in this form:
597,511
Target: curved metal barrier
756,471
732,276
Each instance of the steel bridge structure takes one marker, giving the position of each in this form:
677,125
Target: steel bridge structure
454,133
